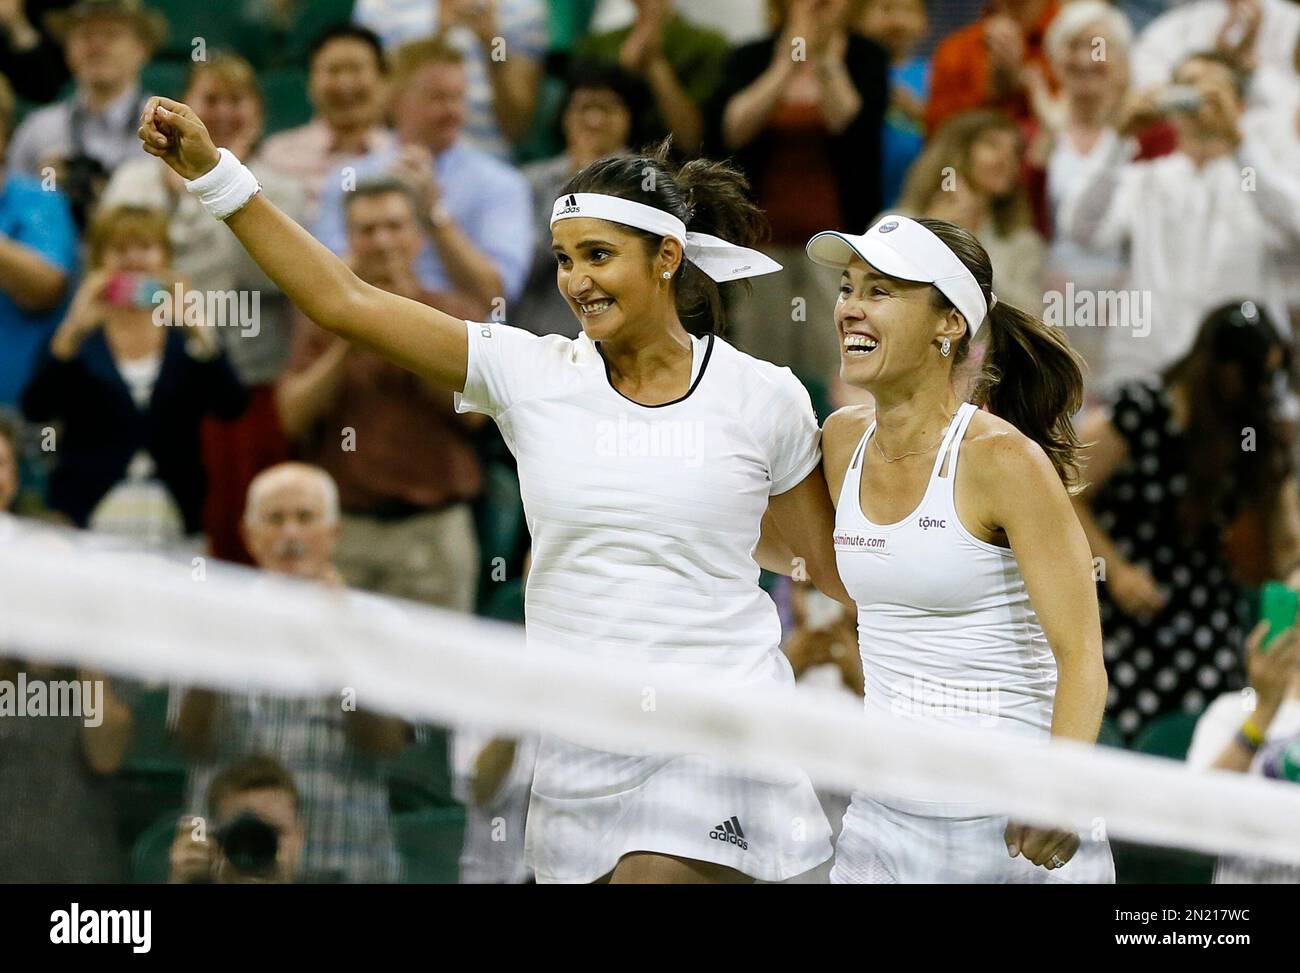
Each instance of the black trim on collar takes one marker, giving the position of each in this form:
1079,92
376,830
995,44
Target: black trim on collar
694,385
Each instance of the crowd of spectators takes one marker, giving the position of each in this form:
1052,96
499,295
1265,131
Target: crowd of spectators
1132,167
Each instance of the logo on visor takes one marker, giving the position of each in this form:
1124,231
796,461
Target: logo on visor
888,227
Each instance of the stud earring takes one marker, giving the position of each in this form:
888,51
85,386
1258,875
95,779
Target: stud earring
946,348
667,274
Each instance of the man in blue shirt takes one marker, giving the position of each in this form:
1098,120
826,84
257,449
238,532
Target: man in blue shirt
476,210
38,256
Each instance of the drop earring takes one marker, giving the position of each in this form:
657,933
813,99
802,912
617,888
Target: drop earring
946,347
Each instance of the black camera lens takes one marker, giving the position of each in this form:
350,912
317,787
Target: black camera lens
250,845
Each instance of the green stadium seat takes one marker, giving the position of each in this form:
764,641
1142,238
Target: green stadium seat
429,842
1169,736
284,90
152,778
166,78
1109,735
217,24
501,529
420,777
151,853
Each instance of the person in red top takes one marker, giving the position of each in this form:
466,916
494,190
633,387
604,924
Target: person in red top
982,65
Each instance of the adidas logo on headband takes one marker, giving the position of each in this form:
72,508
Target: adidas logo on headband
570,207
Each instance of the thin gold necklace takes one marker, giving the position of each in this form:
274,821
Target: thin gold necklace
916,452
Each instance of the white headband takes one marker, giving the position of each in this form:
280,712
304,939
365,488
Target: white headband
901,247
720,260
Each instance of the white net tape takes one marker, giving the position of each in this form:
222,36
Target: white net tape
67,601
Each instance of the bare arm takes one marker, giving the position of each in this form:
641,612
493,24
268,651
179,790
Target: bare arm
105,745
747,112
194,725
408,333
1103,453
515,80
678,109
31,281
1022,495
470,269
804,522
379,736
1284,537
302,398
839,98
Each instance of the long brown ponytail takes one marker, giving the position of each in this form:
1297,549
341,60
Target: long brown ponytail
1030,375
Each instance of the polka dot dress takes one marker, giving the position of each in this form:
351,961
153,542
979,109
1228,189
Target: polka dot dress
1191,651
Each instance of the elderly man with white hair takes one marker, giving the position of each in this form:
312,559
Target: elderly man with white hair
333,749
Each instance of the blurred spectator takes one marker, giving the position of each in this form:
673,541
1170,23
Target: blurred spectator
253,797
899,26
494,779
502,42
224,91
803,115
334,752
29,56
1259,37
475,209
401,455
1141,12
740,21
969,173
346,73
982,65
1088,47
822,646
128,393
8,464
57,819
1167,468
1208,223
38,253
601,103
85,136
680,62
1236,731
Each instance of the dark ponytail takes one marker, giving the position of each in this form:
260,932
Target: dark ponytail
709,197
1030,376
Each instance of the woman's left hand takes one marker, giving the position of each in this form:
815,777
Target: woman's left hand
1047,847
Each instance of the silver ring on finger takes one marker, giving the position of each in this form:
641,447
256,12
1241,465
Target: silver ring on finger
1057,862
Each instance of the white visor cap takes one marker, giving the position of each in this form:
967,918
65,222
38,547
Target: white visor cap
901,247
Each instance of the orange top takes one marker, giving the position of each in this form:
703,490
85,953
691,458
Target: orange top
960,81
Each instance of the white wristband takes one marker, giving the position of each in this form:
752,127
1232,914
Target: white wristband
226,187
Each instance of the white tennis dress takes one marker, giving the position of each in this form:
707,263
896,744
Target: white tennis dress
644,521
947,634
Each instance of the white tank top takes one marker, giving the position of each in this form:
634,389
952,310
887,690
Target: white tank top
945,627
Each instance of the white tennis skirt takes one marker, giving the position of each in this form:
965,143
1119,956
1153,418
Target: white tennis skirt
882,845
589,808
